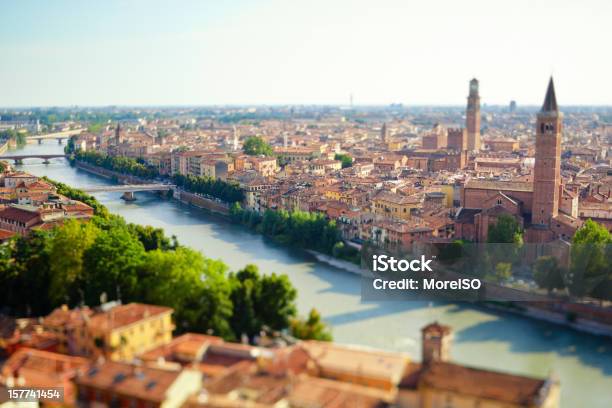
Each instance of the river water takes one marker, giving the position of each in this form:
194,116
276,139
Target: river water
482,338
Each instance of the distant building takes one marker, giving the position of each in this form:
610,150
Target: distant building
436,139
392,205
512,107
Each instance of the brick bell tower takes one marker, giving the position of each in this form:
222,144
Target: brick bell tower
547,172
472,117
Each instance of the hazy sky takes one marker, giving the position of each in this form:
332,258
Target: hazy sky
301,52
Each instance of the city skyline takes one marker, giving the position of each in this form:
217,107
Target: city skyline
270,53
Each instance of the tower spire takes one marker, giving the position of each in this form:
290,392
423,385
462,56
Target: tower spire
550,102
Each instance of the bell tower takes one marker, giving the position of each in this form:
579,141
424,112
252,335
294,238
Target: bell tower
547,171
472,117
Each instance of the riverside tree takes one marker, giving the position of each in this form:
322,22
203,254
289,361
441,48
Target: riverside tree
81,263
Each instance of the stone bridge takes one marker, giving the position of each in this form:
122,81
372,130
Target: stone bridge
20,158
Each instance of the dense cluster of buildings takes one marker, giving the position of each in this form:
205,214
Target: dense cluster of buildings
421,177
29,203
125,356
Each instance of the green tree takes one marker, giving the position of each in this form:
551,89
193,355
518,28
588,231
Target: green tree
590,265
67,247
312,328
152,238
347,161
196,287
548,274
267,300
95,127
503,271
505,231
255,146
29,276
112,262
230,192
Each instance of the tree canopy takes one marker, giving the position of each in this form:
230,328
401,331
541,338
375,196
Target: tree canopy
505,231
347,161
123,165
311,328
304,229
107,258
590,271
229,192
255,146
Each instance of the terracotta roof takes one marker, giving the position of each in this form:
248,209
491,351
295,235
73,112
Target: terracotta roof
6,234
371,363
18,214
146,383
318,392
125,315
508,388
500,185
185,348
42,368
466,215
64,317
396,198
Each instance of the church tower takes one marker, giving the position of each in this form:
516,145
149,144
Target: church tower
472,117
547,172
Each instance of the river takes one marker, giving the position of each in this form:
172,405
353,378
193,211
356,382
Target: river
482,338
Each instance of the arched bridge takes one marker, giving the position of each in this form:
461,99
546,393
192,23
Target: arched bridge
59,136
129,189
19,158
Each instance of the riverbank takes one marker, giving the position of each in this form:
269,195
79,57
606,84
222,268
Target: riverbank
109,174
574,317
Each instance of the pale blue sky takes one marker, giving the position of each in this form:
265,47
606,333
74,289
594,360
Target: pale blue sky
300,52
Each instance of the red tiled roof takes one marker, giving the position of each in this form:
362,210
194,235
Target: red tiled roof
145,383
18,214
508,388
124,315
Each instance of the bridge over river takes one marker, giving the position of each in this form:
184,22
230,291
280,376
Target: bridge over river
21,157
129,189
59,136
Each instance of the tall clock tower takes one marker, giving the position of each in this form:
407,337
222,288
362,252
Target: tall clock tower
472,117
547,172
